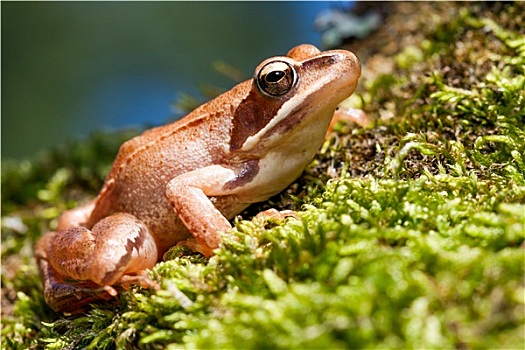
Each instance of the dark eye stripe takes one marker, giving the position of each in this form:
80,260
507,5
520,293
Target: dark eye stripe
271,84
252,115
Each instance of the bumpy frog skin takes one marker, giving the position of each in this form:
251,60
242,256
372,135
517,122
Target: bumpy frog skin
180,183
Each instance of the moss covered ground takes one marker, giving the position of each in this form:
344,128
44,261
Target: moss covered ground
410,232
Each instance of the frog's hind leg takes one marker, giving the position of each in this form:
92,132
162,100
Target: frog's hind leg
79,266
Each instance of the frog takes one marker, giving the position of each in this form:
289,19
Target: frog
180,184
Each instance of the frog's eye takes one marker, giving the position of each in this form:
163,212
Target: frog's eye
276,78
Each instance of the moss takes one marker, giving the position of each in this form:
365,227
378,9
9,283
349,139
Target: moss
410,235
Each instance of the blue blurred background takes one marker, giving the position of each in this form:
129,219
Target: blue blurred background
69,68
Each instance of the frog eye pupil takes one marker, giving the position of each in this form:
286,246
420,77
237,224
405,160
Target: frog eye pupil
276,78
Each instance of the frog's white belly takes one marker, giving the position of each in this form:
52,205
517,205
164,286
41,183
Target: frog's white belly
281,165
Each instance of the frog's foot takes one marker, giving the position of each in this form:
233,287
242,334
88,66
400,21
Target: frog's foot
276,215
140,278
352,115
67,296
195,246
73,297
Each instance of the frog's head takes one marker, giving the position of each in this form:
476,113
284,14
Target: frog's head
293,98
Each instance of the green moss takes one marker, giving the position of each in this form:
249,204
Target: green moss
411,232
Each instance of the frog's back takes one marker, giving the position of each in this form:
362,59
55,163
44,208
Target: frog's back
199,139
136,183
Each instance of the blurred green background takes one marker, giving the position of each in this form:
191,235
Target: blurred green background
69,68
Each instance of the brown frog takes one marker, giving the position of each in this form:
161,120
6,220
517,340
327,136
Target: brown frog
180,183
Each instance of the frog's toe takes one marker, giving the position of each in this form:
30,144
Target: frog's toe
195,246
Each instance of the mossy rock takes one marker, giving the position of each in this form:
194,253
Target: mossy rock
410,232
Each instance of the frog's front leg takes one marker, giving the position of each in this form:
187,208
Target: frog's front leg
189,195
79,265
